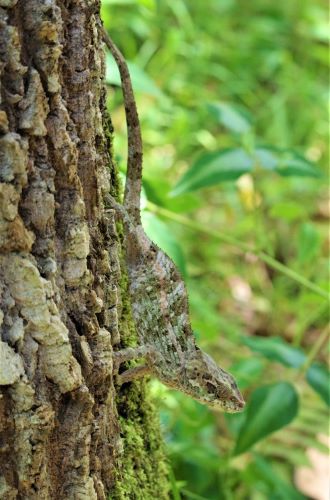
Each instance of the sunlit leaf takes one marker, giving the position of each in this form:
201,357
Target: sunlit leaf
149,4
213,168
288,210
267,157
182,14
276,349
270,408
308,242
318,377
160,233
286,163
297,167
157,190
118,2
140,80
192,496
231,116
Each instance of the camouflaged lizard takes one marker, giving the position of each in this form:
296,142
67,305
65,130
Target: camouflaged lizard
157,292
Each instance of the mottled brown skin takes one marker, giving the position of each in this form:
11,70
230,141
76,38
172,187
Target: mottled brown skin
158,293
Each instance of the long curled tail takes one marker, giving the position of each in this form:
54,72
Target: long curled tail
134,139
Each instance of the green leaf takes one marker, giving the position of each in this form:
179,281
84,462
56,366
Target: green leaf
270,408
174,484
140,80
288,210
149,4
213,168
157,189
231,116
318,377
309,242
297,167
160,233
235,422
282,489
276,349
267,157
191,495
247,371
118,2
284,162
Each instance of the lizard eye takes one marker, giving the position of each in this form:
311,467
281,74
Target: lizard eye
210,387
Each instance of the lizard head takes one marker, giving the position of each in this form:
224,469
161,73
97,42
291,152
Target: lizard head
211,385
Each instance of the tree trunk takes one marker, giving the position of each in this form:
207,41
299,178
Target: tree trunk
63,295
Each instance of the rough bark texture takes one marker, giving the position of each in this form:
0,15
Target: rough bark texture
63,297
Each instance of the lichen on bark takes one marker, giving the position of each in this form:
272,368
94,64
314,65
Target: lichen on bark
63,300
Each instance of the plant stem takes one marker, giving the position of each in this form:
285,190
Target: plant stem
290,273
307,320
314,351
245,247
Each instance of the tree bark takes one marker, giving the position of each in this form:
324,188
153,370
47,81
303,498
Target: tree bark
63,293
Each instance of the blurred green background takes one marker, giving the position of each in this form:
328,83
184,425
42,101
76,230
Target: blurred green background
232,97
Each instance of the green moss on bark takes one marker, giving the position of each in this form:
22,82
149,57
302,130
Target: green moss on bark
142,469
144,473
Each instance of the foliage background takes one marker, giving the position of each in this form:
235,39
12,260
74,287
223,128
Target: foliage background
232,97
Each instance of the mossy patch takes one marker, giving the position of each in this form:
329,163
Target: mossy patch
143,470
143,467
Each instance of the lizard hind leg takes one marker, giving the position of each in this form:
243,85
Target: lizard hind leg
111,202
133,374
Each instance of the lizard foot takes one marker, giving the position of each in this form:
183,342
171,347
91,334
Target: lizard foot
111,202
121,211
133,374
132,353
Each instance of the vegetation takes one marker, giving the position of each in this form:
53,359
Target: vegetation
232,100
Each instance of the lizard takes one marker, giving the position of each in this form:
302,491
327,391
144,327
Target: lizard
157,291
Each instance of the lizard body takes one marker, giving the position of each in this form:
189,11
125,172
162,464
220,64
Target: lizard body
157,291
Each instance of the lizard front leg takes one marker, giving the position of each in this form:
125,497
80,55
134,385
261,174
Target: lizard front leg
133,374
111,202
128,354
121,211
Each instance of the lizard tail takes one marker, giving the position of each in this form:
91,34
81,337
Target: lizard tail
134,139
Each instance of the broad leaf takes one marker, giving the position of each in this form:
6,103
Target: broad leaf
297,167
284,162
235,422
247,371
140,80
282,489
160,233
267,157
230,116
229,164
276,349
270,408
213,168
318,377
